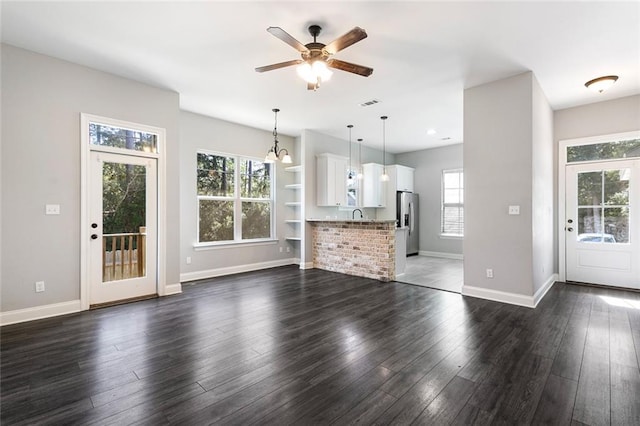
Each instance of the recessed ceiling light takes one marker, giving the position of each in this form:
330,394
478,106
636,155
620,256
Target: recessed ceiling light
601,84
431,132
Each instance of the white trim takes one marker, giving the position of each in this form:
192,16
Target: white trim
218,272
441,254
498,296
542,291
562,164
39,312
306,265
228,244
170,289
510,298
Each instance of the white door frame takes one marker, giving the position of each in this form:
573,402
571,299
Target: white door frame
562,163
85,187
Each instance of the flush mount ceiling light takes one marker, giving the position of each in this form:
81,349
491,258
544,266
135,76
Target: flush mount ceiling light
275,152
384,177
601,84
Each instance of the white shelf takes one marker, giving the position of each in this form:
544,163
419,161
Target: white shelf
293,221
293,169
293,203
293,239
294,186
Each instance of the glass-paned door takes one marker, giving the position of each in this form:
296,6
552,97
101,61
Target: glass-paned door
123,248
602,223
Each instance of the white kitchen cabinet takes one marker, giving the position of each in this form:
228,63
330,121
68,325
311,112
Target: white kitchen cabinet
404,178
373,189
331,174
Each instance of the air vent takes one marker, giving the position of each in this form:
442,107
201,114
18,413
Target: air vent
445,139
369,103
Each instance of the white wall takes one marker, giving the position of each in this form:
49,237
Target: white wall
428,165
199,132
508,160
42,99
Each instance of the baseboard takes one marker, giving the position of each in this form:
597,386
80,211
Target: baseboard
218,272
40,312
170,289
498,296
306,265
542,291
441,254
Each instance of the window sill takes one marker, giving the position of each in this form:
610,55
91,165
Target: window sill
451,237
228,244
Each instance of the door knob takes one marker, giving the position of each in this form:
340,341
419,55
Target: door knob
570,220
570,229
94,236
94,225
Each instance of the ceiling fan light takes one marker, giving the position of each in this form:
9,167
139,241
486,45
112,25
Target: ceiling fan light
306,73
601,84
321,70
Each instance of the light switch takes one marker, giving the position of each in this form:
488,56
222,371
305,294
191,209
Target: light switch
52,209
514,209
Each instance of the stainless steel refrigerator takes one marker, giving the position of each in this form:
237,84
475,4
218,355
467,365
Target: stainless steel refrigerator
407,216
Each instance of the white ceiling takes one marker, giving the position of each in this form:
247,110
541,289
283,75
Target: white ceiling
424,55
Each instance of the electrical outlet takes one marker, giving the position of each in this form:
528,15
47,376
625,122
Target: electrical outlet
52,209
39,286
288,249
514,210
280,249
489,273
188,260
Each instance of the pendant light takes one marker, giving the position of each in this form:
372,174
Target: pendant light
274,152
350,176
384,177
360,175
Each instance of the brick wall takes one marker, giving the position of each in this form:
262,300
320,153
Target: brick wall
363,249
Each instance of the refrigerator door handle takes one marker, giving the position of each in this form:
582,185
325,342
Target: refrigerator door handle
410,218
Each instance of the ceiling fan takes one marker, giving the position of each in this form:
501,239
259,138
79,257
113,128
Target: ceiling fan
315,56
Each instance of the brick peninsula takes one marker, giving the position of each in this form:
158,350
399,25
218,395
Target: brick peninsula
359,247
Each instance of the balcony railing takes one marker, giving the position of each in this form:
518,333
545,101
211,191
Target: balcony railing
123,255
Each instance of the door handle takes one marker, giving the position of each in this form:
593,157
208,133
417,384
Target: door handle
94,236
570,229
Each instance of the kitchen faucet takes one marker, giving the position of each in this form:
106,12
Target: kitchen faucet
353,213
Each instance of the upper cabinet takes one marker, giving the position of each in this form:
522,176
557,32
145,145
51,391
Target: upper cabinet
331,174
404,178
373,194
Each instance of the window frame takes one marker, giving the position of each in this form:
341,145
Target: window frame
443,205
237,200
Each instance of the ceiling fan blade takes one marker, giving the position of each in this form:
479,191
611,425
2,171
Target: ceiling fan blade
279,65
353,36
287,38
349,67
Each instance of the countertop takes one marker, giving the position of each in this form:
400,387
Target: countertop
352,220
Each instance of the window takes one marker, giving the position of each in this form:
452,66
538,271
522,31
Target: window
235,198
452,203
629,148
118,137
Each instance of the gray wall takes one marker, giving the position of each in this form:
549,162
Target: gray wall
543,206
602,118
198,132
500,170
42,99
429,164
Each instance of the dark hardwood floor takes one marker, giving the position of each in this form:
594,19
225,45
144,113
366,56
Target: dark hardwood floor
285,346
